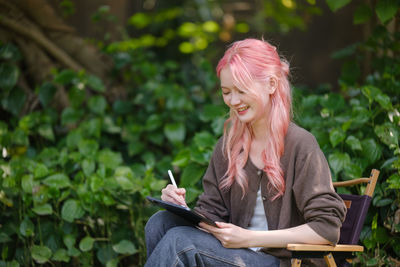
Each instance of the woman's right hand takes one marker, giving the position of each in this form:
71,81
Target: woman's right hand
174,195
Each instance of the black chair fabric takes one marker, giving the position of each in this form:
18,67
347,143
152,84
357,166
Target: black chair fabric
355,216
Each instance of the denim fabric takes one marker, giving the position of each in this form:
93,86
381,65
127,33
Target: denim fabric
171,241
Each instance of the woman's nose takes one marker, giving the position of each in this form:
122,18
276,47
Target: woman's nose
235,98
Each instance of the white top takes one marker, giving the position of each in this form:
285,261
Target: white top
259,221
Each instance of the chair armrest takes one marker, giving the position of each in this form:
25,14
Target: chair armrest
351,182
371,182
308,247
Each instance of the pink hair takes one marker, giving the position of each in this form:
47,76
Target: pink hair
256,61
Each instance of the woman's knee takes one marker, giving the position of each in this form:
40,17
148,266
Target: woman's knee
180,237
156,221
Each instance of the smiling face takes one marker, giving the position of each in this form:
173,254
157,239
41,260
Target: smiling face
246,106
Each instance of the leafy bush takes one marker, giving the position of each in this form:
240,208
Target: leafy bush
73,183
358,129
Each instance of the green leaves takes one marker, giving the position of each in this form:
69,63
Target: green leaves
354,143
88,148
9,52
95,83
335,5
69,241
80,80
362,137
88,167
9,74
27,183
46,93
44,209
125,183
58,181
125,179
65,77
362,14
61,255
388,134
386,9
109,159
333,102
71,210
204,140
375,94
336,136
14,101
26,227
338,161
372,151
4,238
46,131
41,254
175,132
70,115
212,112
125,247
394,181
86,244
153,122
97,104
182,158
191,175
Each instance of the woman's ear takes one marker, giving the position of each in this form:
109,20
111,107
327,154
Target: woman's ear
272,85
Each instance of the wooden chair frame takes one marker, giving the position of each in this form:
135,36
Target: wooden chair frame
302,251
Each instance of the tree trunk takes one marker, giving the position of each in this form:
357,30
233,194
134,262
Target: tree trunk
47,42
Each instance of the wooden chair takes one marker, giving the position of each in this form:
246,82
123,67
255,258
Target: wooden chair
357,208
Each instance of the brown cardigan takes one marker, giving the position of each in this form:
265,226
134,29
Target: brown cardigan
309,196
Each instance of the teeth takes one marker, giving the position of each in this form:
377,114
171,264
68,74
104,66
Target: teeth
242,108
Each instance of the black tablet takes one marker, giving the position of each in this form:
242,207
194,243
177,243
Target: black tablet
185,212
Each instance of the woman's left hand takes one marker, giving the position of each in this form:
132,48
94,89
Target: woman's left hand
230,235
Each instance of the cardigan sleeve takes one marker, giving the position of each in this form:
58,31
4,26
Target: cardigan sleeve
211,202
322,208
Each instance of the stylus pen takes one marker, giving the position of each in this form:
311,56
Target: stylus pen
171,177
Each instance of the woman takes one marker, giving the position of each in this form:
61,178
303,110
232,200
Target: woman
268,183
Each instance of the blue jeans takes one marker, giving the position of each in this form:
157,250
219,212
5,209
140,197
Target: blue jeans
172,241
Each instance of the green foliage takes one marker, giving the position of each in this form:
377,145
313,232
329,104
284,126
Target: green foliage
384,9
358,129
170,26
283,16
334,5
199,27
73,184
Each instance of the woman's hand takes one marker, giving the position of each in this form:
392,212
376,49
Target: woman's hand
174,195
230,235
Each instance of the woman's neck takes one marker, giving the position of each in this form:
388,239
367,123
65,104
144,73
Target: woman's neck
260,131
258,143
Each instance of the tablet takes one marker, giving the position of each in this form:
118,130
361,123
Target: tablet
185,212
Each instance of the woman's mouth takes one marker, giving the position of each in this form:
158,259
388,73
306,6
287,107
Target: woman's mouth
242,110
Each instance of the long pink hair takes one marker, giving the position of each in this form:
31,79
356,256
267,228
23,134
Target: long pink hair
252,61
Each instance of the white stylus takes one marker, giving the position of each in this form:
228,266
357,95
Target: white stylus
171,177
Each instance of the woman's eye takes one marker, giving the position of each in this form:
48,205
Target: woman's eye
225,92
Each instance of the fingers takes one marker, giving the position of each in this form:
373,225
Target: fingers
202,229
174,195
215,231
230,236
209,228
206,226
223,225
